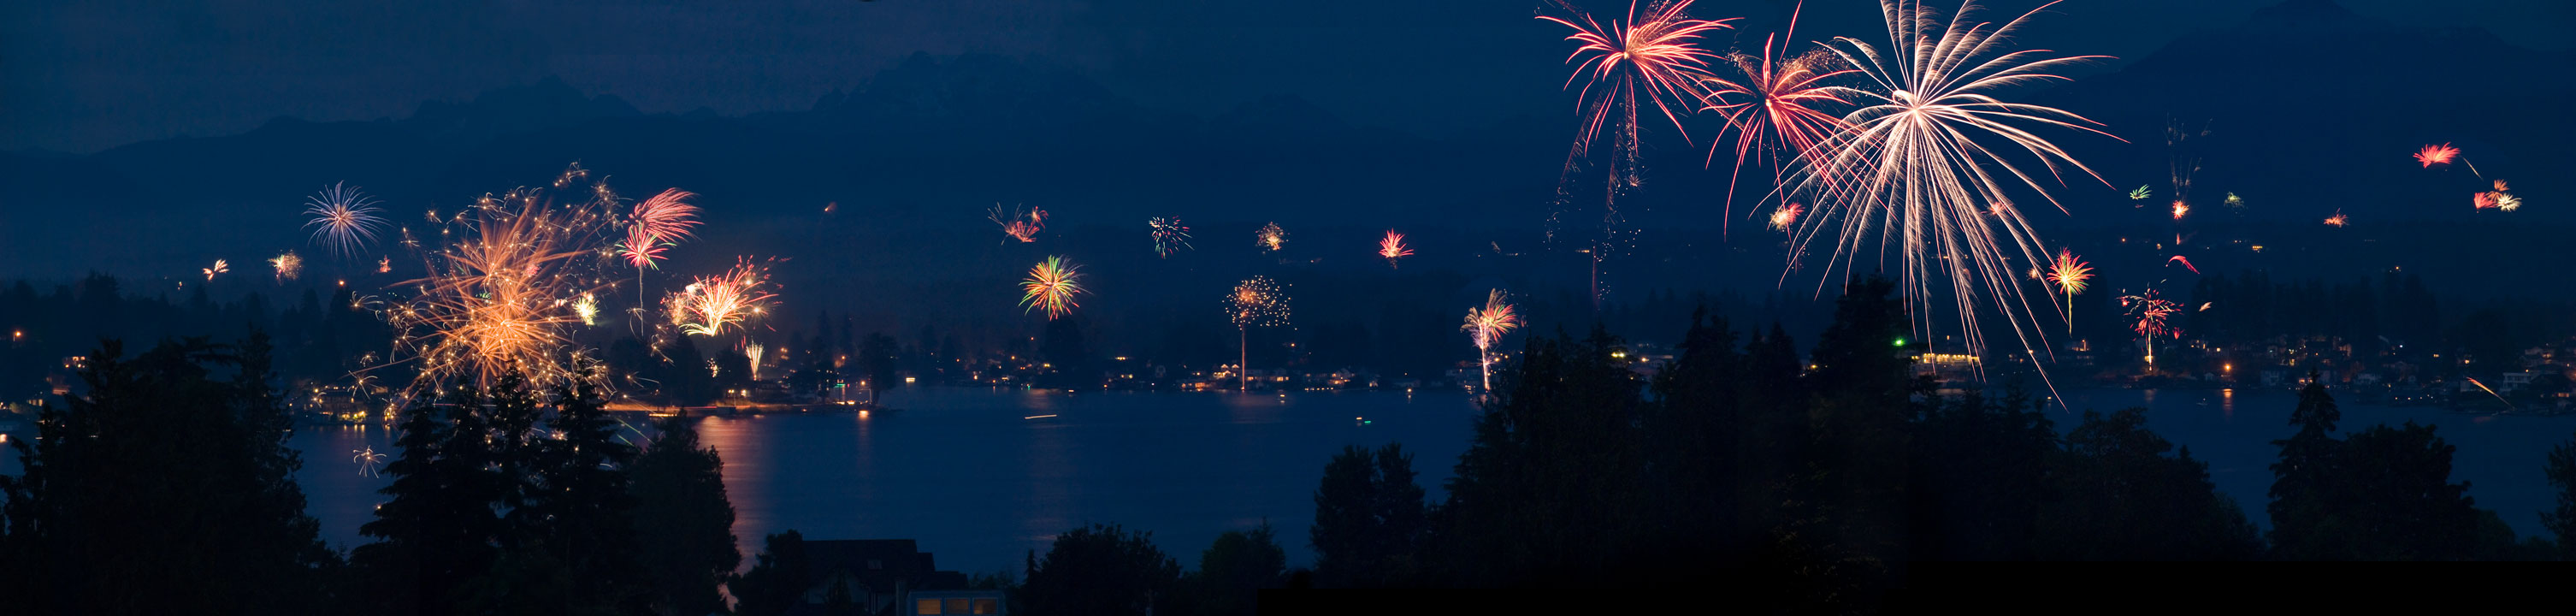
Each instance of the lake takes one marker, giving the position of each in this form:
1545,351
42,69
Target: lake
975,480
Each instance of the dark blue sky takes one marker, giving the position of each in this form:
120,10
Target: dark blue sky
84,75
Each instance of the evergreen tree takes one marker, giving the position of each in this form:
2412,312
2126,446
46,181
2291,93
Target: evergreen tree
2122,498
1369,518
162,489
777,579
437,532
2561,520
1549,489
684,522
2304,478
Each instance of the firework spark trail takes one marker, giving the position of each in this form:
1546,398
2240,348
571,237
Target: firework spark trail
711,304
2180,162
1169,236
367,460
2151,313
1270,237
753,352
219,268
1392,247
1914,163
1255,302
1774,108
2186,263
345,218
655,225
2508,404
1655,55
498,298
288,266
1018,223
2069,275
1051,286
1487,325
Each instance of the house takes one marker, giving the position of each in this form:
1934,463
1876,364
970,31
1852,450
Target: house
949,602
2512,381
875,577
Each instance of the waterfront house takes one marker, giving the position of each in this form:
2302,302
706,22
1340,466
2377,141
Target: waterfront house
873,576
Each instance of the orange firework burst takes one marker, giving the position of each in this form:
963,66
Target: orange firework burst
1051,285
1270,237
2337,220
1392,247
499,299
2180,208
2435,155
219,268
1786,216
2070,276
1022,225
1914,164
1255,302
711,304
1773,111
655,225
288,266
1487,325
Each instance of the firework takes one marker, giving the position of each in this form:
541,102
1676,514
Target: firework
1051,285
588,308
497,299
1255,302
345,218
2437,155
1914,162
219,268
2499,199
367,460
2186,263
2151,313
655,225
2070,276
2508,404
1270,237
753,352
2234,201
2337,220
1773,110
1487,325
1655,56
384,264
2484,200
288,266
2141,194
709,305
1392,247
1786,216
1169,236
2180,208
1020,224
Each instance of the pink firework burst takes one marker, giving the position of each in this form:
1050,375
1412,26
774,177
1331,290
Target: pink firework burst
656,224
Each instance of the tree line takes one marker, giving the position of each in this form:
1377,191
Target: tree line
1796,484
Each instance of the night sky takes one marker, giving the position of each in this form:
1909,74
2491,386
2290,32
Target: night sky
82,76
